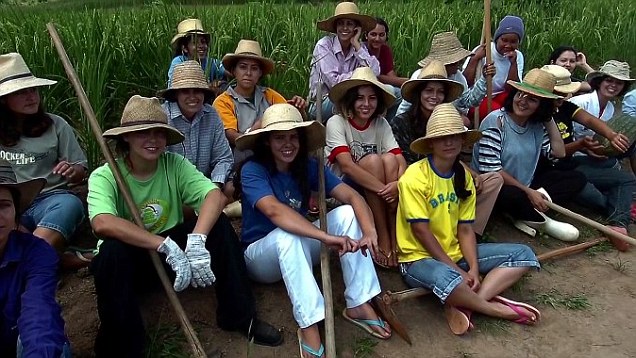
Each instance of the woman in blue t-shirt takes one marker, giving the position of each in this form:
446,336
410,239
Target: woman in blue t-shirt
280,243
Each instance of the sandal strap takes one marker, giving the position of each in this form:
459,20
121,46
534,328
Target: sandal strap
313,352
373,322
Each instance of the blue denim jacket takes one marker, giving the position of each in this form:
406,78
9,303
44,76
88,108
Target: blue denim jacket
28,279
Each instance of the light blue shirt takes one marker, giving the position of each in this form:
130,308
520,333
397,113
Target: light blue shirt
629,103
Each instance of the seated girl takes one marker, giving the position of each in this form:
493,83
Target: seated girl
362,150
436,243
571,59
280,243
513,139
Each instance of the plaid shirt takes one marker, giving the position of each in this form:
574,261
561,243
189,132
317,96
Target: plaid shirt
405,131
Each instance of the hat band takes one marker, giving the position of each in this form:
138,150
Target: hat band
136,123
15,77
564,82
247,54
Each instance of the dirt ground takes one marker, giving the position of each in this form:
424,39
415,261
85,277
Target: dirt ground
587,302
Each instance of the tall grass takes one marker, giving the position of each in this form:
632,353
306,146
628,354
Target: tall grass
121,51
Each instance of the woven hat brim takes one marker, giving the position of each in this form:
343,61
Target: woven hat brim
28,191
366,22
594,74
460,55
420,145
173,135
315,133
230,59
339,90
175,38
569,88
22,83
410,88
171,93
533,90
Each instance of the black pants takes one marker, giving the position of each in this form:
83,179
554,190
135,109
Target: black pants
562,185
123,271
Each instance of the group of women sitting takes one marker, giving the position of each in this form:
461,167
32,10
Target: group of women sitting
405,197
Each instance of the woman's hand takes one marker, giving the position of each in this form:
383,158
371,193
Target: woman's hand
342,244
592,147
537,199
620,142
581,60
355,41
390,192
298,102
73,173
368,242
474,276
511,56
489,69
480,52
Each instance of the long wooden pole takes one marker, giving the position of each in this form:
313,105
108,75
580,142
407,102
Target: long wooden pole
477,74
488,40
325,270
188,330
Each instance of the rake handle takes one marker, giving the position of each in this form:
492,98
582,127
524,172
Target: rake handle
188,330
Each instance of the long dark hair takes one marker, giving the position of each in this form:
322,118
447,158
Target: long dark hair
558,51
263,155
33,125
185,41
416,114
595,84
459,180
347,103
544,112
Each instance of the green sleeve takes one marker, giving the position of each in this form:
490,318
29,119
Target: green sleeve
193,186
102,193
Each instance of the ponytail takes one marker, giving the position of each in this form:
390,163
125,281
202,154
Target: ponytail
459,180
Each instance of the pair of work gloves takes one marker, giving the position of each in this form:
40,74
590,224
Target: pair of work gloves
192,267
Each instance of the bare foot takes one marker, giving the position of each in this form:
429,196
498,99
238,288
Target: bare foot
310,337
516,313
365,311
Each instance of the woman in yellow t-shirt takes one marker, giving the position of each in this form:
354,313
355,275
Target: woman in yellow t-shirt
436,243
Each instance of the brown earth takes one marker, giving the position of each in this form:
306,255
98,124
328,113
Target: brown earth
600,283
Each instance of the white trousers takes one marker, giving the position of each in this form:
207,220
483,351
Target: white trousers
291,257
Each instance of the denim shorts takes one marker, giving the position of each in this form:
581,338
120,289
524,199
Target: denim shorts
59,210
442,279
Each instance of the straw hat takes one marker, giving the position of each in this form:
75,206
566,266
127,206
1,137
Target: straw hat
446,48
361,76
15,75
251,50
445,120
433,72
347,10
142,113
186,75
538,83
186,28
614,69
284,117
563,77
28,189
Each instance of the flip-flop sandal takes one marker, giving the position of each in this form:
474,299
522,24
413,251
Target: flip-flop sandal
458,321
514,305
307,349
79,254
388,257
366,324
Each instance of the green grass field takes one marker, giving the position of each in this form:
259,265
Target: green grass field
119,51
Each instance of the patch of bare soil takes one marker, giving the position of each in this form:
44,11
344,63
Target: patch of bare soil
587,302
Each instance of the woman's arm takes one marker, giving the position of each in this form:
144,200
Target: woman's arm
392,78
110,226
209,212
468,246
556,142
345,194
618,140
536,198
421,230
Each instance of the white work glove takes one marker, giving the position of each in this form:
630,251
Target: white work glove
176,258
200,261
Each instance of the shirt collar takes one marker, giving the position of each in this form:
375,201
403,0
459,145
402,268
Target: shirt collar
238,97
174,112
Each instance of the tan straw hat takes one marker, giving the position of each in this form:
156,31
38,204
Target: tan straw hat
28,189
446,48
15,75
188,27
445,120
563,77
614,69
186,75
284,117
538,83
251,50
433,72
347,10
142,113
361,76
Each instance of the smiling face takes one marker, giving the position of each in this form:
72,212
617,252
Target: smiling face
23,102
146,145
377,37
366,103
345,29
7,215
524,105
247,73
432,94
567,60
507,43
284,146
190,101
447,147
196,48
610,87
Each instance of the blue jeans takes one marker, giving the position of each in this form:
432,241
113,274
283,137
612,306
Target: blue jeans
327,109
442,279
66,350
58,210
609,188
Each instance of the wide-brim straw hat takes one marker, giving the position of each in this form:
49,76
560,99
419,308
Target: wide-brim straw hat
563,77
538,83
284,117
186,75
251,50
347,10
612,68
28,189
433,72
15,75
188,27
361,76
446,48
143,113
444,121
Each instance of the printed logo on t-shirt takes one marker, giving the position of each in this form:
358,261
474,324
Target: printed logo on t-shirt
18,158
565,131
154,214
358,149
440,199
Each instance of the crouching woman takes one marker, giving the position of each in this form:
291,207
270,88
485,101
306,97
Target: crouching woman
436,243
280,243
